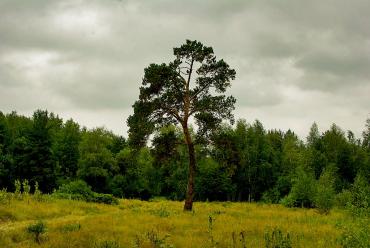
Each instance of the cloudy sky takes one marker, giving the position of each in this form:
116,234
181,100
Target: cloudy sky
297,61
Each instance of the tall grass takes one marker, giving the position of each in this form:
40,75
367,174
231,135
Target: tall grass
135,223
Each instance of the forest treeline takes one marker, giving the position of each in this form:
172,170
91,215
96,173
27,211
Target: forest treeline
244,162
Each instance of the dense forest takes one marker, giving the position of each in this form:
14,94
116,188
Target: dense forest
244,162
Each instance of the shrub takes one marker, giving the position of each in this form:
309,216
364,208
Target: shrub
356,235
37,229
271,196
288,201
343,199
80,190
104,198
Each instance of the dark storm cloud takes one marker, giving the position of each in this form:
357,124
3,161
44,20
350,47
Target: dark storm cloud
296,60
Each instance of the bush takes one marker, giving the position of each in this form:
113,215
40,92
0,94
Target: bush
343,199
80,190
288,201
37,229
356,235
104,198
271,196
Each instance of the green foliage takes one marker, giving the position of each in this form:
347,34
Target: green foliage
5,197
356,235
96,163
37,193
26,187
191,86
271,196
212,182
65,149
244,162
80,190
366,135
324,198
360,200
303,190
343,199
37,230
136,166
339,151
277,239
104,198
41,166
162,212
18,189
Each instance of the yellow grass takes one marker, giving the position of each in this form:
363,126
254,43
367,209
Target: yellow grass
134,223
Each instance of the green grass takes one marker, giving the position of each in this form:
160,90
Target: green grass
135,223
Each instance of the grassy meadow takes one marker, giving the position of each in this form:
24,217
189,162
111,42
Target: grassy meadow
134,223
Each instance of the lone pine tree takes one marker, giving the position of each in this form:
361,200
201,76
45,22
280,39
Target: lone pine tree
189,88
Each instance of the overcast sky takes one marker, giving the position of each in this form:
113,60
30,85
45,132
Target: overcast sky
297,61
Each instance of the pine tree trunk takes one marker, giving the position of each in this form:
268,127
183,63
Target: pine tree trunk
190,189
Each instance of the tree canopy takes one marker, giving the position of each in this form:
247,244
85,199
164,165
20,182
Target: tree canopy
191,86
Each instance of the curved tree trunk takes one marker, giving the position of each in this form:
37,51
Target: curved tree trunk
190,189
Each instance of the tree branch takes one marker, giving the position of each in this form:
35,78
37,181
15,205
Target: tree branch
173,113
189,76
200,91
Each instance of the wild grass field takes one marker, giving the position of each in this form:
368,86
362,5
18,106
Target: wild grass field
162,223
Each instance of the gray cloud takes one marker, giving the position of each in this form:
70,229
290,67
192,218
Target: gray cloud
296,61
